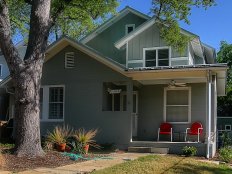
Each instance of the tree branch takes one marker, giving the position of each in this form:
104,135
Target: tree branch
7,47
39,30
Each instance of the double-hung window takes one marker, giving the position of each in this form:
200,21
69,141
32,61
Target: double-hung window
158,56
177,105
52,103
56,102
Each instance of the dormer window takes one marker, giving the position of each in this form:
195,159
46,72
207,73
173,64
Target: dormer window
158,56
130,28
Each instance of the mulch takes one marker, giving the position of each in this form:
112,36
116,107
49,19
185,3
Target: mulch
52,159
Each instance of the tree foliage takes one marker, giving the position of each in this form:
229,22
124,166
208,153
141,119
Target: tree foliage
78,17
225,56
35,19
169,12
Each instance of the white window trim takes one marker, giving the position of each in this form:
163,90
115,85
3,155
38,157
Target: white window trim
189,103
226,126
156,48
1,69
129,25
45,106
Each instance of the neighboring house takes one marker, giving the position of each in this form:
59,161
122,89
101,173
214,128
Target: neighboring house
224,123
4,73
124,80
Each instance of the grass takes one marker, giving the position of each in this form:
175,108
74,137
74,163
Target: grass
168,164
6,145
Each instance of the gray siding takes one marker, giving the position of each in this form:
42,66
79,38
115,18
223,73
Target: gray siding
104,42
151,99
147,39
83,96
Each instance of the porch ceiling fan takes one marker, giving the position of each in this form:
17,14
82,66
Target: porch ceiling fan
173,84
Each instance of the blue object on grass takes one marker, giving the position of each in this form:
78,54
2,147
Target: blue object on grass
75,157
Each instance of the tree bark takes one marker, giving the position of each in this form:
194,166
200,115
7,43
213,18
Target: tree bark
27,111
26,74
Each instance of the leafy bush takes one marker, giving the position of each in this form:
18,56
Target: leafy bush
226,140
189,151
225,154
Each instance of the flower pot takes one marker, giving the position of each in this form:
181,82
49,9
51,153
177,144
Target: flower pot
86,148
68,149
61,147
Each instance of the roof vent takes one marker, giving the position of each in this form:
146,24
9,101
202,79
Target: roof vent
69,60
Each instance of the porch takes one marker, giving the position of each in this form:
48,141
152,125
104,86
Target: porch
166,147
180,98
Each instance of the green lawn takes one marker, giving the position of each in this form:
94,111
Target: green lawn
154,164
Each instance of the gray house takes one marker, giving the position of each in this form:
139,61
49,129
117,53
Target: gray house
125,80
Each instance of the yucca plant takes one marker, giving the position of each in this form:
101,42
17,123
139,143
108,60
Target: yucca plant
86,137
59,135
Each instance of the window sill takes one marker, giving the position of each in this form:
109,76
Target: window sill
179,122
52,120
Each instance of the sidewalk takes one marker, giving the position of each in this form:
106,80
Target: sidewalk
87,166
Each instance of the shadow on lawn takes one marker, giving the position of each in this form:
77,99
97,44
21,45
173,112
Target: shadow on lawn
181,167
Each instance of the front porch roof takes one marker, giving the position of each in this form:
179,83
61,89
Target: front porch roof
187,74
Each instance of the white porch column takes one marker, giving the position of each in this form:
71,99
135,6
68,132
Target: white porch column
209,111
130,106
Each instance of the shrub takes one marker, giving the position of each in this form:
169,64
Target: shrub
59,135
86,137
80,138
226,140
225,154
189,151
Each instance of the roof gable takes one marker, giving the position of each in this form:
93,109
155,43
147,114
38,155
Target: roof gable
142,28
111,21
64,41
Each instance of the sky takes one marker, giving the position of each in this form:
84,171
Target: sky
212,25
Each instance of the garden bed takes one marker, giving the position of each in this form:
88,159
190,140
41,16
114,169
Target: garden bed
52,159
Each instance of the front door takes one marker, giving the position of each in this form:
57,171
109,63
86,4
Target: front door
135,114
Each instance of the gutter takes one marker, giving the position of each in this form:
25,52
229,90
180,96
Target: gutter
178,68
209,113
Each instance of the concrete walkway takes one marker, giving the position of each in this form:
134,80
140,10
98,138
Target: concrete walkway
88,166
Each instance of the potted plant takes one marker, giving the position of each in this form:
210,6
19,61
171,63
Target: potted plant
59,137
85,139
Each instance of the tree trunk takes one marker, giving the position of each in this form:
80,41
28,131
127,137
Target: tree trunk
27,111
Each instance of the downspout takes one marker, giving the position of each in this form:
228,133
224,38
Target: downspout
209,80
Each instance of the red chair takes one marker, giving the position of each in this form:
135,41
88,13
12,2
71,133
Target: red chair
165,129
196,129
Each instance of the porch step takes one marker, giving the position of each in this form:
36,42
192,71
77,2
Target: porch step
148,150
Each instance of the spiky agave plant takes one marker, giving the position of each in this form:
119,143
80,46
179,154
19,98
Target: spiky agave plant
86,137
59,134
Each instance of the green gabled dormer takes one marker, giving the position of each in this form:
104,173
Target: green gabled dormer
103,38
